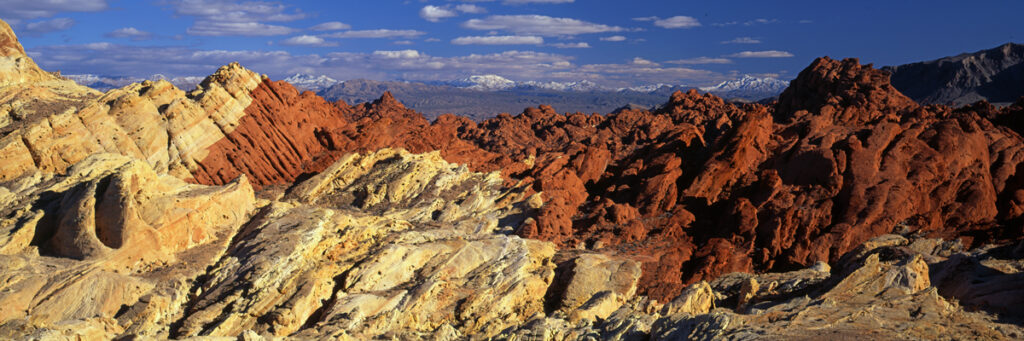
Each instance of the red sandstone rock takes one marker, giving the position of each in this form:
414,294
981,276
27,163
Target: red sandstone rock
699,187
282,133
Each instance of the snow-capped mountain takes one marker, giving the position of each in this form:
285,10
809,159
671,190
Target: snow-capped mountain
484,83
748,87
580,86
310,82
648,88
498,83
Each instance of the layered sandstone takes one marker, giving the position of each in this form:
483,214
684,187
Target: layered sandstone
153,121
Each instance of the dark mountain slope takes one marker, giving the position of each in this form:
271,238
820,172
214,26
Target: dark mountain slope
995,75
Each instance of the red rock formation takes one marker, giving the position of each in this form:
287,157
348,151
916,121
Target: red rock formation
282,133
699,187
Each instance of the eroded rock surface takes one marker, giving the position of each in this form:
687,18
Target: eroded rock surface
112,242
882,290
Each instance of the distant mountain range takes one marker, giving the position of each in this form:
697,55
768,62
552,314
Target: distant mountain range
995,75
310,82
435,99
483,96
749,88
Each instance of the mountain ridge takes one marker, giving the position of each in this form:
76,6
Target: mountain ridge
993,75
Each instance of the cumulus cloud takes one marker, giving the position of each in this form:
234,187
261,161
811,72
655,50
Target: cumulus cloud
498,40
742,40
641,61
538,25
33,9
679,21
579,45
403,54
613,38
129,33
331,26
378,33
46,26
307,40
232,18
469,8
762,54
433,13
700,60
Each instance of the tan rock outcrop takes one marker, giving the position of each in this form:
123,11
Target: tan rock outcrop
110,235
882,291
431,256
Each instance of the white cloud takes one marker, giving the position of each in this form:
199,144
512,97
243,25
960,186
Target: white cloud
498,40
742,40
679,21
759,21
403,42
232,18
403,54
307,40
645,19
579,45
47,26
469,8
433,13
539,25
229,10
805,21
331,26
641,61
700,60
378,33
129,33
613,38
33,9
214,28
762,54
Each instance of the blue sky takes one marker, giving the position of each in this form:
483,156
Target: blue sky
612,43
